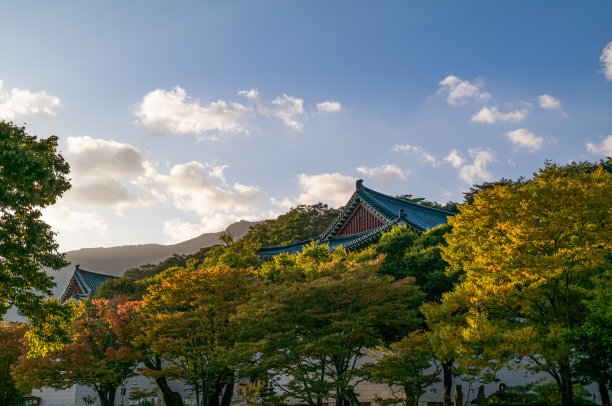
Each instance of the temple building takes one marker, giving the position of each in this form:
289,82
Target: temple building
82,284
365,217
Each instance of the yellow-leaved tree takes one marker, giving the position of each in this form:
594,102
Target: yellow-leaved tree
530,254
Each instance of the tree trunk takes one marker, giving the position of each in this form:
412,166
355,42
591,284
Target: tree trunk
480,398
567,392
603,392
350,397
448,382
458,395
106,393
228,393
171,398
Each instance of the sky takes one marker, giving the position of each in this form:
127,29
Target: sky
179,118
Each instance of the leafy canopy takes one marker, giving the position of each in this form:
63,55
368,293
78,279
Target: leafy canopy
32,176
314,315
529,254
101,356
12,337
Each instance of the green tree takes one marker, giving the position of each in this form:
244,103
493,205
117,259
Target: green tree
298,224
529,253
409,254
32,176
12,337
186,324
593,339
404,365
316,316
449,206
394,244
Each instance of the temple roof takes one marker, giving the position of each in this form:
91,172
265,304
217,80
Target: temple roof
390,210
87,283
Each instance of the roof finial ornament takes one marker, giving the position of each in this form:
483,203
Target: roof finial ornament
402,214
77,267
359,183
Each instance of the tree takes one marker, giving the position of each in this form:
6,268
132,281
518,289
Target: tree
32,176
101,356
298,224
186,323
530,253
316,316
468,197
403,365
132,292
409,254
593,339
12,337
394,244
449,206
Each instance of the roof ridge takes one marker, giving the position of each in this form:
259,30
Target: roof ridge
420,206
81,270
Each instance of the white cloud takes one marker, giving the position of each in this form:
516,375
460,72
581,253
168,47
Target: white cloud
412,149
333,189
20,102
173,111
548,102
101,192
478,168
116,175
493,115
454,158
193,189
461,91
94,156
65,219
606,60
217,172
285,203
605,148
386,173
525,138
287,108
329,107
96,168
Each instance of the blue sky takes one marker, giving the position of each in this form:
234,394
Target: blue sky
180,118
